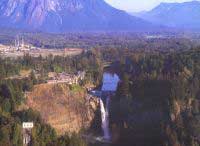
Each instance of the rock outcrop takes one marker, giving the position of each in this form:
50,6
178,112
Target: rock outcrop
66,108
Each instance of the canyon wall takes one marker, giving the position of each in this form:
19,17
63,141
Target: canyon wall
67,108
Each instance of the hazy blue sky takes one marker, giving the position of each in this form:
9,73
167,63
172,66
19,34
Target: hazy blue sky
138,5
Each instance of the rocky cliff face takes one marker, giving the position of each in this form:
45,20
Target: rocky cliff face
65,108
66,15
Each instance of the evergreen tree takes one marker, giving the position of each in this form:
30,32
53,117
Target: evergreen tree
123,88
17,135
33,78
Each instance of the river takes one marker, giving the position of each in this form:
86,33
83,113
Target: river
110,82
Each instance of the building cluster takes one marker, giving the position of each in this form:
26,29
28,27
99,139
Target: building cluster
19,46
66,78
4,49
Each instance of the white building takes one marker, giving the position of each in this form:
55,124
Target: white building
27,126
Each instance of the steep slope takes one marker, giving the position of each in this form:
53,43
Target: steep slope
65,108
181,15
67,15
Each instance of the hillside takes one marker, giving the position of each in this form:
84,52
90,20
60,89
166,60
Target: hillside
180,15
64,108
71,15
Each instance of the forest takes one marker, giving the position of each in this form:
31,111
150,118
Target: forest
12,96
158,92
157,99
144,41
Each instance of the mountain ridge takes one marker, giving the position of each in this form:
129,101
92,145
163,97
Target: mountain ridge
67,15
179,15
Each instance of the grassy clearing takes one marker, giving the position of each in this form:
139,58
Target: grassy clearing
25,72
76,88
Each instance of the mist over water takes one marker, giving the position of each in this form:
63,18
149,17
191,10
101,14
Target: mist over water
105,119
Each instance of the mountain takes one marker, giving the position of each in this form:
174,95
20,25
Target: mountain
67,15
181,15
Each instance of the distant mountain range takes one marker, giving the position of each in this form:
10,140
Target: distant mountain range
67,15
94,15
179,15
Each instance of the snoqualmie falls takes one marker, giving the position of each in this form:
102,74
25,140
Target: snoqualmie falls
110,82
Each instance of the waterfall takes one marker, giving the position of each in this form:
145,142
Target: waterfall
109,86
105,118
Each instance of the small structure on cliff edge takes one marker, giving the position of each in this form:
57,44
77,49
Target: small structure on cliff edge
66,78
27,127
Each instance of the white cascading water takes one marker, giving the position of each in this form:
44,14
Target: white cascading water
105,118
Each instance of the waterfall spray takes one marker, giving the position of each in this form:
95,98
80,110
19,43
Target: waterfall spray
105,118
